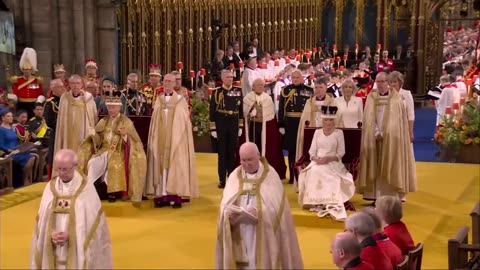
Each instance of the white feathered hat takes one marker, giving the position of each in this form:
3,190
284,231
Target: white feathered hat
29,60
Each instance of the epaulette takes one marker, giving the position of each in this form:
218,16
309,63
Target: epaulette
32,118
217,88
13,79
39,79
50,99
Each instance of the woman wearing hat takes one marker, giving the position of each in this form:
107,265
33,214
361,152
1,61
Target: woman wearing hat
325,184
9,144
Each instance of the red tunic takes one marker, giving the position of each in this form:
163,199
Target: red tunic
27,90
373,254
471,72
389,248
399,235
358,264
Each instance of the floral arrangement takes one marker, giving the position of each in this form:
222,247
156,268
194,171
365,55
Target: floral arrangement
200,116
461,129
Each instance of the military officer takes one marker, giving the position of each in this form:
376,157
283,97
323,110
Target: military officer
50,114
134,102
91,70
27,89
226,122
151,88
292,101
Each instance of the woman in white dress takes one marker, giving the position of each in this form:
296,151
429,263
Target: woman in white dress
350,107
325,184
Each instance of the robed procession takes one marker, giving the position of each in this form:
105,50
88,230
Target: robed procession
240,135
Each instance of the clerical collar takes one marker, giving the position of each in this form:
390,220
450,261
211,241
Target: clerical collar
368,242
168,94
320,98
353,263
384,94
76,95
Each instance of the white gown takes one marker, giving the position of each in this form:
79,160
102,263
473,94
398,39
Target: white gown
349,114
325,188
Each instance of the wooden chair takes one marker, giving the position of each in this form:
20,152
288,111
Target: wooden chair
459,250
403,265
415,258
475,214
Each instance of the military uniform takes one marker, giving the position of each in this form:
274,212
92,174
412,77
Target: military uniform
134,102
39,131
50,114
291,105
87,78
150,92
27,90
226,118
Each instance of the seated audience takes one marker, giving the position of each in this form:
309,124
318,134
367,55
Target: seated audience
350,107
325,184
362,227
389,208
9,144
21,118
345,251
388,247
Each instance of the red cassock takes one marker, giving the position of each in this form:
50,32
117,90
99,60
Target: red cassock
27,90
273,148
383,63
358,264
399,235
374,255
389,248
471,72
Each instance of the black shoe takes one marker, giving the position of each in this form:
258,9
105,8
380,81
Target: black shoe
144,198
290,181
112,198
161,204
177,205
221,185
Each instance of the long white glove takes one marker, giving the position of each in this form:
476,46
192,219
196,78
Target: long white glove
214,134
239,132
282,131
12,97
40,99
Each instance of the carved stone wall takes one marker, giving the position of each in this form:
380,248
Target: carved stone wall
64,31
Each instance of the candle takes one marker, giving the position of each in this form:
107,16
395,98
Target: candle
379,46
203,72
456,106
462,101
192,74
179,66
448,110
356,46
334,47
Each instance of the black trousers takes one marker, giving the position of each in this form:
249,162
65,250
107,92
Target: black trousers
255,133
227,136
290,142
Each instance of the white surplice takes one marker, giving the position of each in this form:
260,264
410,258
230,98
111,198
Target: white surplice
324,188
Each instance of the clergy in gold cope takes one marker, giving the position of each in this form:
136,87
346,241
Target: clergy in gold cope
71,230
387,165
115,155
171,174
255,226
77,116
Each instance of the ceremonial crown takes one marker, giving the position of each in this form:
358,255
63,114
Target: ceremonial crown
329,112
154,70
58,68
91,63
113,98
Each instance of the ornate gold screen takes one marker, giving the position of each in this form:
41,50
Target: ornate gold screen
169,31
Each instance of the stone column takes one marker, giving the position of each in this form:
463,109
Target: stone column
41,39
89,26
65,40
107,38
78,37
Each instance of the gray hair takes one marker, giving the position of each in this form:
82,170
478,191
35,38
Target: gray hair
370,211
389,208
395,75
348,243
258,80
91,83
75,77
361,223
225,72
297,71
56,82
132,75
349,82
175,73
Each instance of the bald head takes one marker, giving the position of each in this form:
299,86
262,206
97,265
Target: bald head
66,162
382,82
249,157
344,248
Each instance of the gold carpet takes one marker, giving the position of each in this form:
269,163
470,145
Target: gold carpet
185,238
